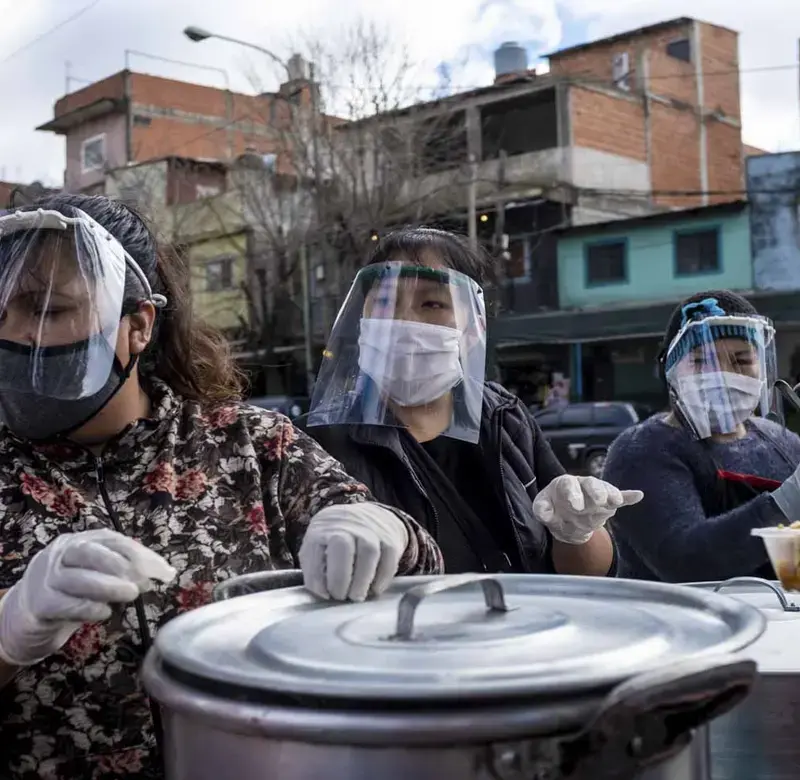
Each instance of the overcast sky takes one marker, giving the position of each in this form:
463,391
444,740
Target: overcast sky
33,63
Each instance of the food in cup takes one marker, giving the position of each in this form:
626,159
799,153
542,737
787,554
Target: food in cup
783,547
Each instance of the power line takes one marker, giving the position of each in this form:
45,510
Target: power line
577,78
80,12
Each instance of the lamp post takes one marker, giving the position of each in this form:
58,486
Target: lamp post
197,35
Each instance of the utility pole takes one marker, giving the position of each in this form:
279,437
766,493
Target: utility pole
304,269
309,357
198,34
472,202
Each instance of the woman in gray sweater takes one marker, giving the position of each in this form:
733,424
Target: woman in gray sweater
715,466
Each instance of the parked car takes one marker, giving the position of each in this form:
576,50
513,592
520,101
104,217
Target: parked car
283,404
580,434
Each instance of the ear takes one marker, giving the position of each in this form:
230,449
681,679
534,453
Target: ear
141,328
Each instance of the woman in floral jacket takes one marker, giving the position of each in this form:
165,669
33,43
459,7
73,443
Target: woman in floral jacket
131,480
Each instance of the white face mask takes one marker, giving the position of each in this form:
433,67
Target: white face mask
414,363
718,401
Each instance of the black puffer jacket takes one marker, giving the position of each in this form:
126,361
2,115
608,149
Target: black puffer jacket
514,448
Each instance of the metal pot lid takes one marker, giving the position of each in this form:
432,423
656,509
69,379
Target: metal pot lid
453,637
776,651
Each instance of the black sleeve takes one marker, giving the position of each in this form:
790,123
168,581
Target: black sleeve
546,465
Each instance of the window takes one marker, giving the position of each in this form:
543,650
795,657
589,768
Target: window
606,263
697,252
219,274
517,264
621,71
680,49
139,120
577,416
93,153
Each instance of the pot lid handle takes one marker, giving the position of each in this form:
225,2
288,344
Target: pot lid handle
493,595
786,605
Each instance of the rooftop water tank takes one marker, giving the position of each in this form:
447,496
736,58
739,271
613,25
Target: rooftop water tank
510,58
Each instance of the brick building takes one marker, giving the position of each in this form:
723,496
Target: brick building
673,105
131,118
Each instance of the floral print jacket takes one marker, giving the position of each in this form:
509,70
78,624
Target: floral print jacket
218,492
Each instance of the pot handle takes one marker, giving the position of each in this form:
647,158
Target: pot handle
641,723
786,605
493,595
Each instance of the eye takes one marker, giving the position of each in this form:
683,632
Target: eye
50,312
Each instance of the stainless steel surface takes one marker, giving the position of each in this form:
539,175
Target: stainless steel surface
559,634
198,753
756,583
210,738
493,594
472,678
759,739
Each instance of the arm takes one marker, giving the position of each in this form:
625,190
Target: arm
669,528
310,480
597,556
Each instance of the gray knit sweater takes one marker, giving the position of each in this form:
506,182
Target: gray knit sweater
669,535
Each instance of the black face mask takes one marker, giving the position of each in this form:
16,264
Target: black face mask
41,413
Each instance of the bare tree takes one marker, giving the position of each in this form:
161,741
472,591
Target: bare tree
378,153
358,147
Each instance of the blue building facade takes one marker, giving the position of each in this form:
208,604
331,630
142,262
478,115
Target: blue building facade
618,283
664,256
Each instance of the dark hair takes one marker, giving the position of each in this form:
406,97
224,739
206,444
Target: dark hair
454,250
191,357
726,300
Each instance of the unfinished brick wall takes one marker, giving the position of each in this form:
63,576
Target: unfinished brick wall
192,120
112,87
165,137
607,122
725,164
614,124
720,50
668,76
675,156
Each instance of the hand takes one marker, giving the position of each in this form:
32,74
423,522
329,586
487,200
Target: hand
351,551
573,508
74,580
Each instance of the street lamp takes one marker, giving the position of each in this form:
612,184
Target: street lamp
198,34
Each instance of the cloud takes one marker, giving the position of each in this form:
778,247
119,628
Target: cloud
460,33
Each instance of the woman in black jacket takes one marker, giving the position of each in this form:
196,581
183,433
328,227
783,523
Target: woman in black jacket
401,401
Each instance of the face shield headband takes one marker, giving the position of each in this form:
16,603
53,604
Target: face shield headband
46,219
407,337
711,392
54,384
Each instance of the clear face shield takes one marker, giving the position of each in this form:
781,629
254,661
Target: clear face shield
62,289
407,337
721,371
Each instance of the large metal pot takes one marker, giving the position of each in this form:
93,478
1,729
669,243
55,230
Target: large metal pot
760,739
469,677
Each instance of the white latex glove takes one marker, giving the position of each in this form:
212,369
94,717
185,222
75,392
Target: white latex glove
573,508
351,551
787,496
74,580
